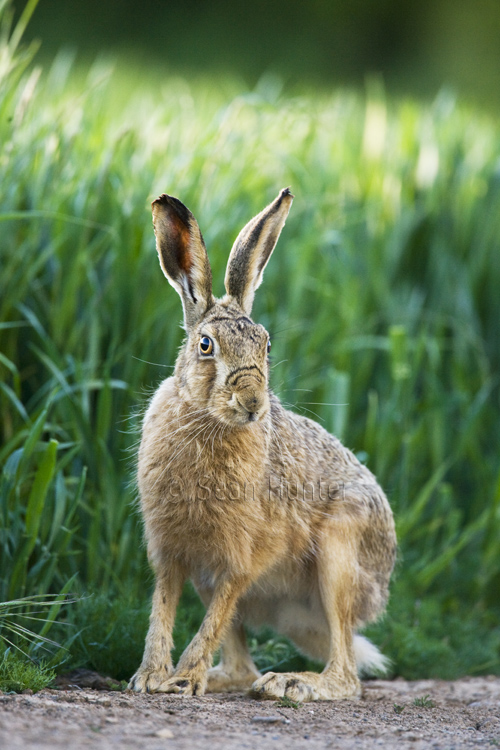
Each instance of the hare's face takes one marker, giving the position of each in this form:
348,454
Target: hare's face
227,366
223,366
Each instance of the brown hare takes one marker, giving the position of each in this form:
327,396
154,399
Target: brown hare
270,516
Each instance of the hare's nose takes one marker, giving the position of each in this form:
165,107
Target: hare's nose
251,403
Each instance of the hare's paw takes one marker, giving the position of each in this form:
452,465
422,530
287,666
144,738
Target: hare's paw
302,687
221,680
295,686
148,680
189,683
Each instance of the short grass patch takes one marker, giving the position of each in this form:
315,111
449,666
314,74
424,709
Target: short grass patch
17,673
286,702
424,702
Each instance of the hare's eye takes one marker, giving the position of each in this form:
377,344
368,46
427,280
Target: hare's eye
268,345
206,346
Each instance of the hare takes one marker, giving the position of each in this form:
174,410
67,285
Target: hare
274,521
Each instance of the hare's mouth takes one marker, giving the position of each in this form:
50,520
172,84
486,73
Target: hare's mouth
242,411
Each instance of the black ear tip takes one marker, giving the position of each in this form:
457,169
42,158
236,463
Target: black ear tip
174,205
162,200
286,191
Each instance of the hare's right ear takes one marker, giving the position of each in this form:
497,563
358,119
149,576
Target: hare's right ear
183,256
252,250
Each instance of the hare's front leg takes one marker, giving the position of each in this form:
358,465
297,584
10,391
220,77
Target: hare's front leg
190,676
236,671
157,662
337,568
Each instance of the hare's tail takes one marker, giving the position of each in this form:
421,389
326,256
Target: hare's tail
369,660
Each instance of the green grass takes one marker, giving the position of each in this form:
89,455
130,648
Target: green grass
424,702
381,299
18,674
286,702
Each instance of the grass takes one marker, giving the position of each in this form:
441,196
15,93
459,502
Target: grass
286,702
424,702
381,299
18,674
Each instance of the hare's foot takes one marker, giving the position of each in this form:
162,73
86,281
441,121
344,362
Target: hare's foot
222,679
186,682
304,686
148,680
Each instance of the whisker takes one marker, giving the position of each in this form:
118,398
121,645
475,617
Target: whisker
155,364
161,438
182,448
320,403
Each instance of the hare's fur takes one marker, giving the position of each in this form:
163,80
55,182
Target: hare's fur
270,516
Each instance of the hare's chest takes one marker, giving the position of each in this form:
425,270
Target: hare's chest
170,472
196,522
197,459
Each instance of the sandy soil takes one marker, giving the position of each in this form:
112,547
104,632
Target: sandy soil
466,713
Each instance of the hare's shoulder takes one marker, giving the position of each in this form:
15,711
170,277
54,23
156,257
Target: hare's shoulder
306,436
302,444
164,402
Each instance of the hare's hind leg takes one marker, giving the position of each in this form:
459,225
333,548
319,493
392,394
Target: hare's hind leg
157,663
337,571
236,670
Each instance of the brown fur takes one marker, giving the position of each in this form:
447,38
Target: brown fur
270,516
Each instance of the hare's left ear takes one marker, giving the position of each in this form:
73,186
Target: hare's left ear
183,256
252,250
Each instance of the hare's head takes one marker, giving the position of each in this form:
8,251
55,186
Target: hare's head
223,365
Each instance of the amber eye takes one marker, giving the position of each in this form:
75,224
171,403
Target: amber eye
206,346
268,346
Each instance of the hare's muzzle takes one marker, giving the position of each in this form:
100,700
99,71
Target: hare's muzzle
249,404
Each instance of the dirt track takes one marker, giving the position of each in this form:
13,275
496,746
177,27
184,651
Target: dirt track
466,714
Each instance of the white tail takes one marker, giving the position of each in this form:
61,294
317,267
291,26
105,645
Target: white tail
369,660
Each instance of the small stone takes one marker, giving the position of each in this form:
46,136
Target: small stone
103,702
490,723
165,734
85,678
268,719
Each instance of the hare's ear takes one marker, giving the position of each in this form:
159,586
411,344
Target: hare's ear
183,256
252,249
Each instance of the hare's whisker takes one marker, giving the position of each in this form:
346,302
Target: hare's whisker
216,434
185,426
320,403
212,431
182,448
188,427
155,364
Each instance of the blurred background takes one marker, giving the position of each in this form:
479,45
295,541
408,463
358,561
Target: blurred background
417,47
382,298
